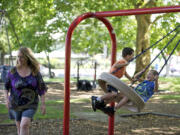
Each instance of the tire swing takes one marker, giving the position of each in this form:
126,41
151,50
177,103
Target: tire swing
136,103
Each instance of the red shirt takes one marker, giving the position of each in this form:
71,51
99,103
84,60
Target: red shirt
118,72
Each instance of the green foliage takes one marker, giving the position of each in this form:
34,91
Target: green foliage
36,21
163,26
30,21
90,36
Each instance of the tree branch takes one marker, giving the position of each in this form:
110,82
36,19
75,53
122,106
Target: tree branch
157,18
150,3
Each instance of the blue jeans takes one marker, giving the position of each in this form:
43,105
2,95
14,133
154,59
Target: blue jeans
17,115
111,88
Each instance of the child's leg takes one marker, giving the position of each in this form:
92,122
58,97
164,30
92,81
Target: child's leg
122,102
100,102
109,97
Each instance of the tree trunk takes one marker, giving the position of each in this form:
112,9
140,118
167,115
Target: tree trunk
2,58
49,64
142,41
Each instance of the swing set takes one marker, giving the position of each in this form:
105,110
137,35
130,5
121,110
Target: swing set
101,16
137,103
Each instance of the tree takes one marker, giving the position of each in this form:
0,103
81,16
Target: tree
30,20
87,40
144,29
35,21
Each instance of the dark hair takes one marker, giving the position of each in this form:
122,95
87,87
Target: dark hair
127,51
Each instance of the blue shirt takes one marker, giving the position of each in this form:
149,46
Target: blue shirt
145,89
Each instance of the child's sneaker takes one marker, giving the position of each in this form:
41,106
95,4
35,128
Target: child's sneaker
93,103
100,104
97,104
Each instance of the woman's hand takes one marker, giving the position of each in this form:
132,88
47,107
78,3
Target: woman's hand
43,109
6,99
7,103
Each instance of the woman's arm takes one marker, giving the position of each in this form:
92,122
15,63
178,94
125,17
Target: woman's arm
41,91
43,106
6,95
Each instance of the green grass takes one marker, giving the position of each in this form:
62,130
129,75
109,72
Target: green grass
170,79
57,79
170,83
46,79
80,100
8,121
3,109
174,98
54,109
52,112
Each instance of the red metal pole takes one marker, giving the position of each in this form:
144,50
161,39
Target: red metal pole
139,11
67,71
113,60
67,68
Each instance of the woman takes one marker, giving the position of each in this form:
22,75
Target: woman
24,83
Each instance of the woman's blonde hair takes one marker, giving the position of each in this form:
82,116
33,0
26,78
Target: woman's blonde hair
31,60
154,72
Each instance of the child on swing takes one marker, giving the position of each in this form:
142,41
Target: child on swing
118,69
145,89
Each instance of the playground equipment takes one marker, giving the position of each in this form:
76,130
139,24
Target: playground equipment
100,16
137,102
86,84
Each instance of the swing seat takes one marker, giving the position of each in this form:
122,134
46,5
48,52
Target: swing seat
136,103
84,85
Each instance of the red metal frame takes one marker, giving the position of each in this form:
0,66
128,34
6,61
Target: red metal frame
100,16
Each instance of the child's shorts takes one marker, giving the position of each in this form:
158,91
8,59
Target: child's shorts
17,115
111,89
